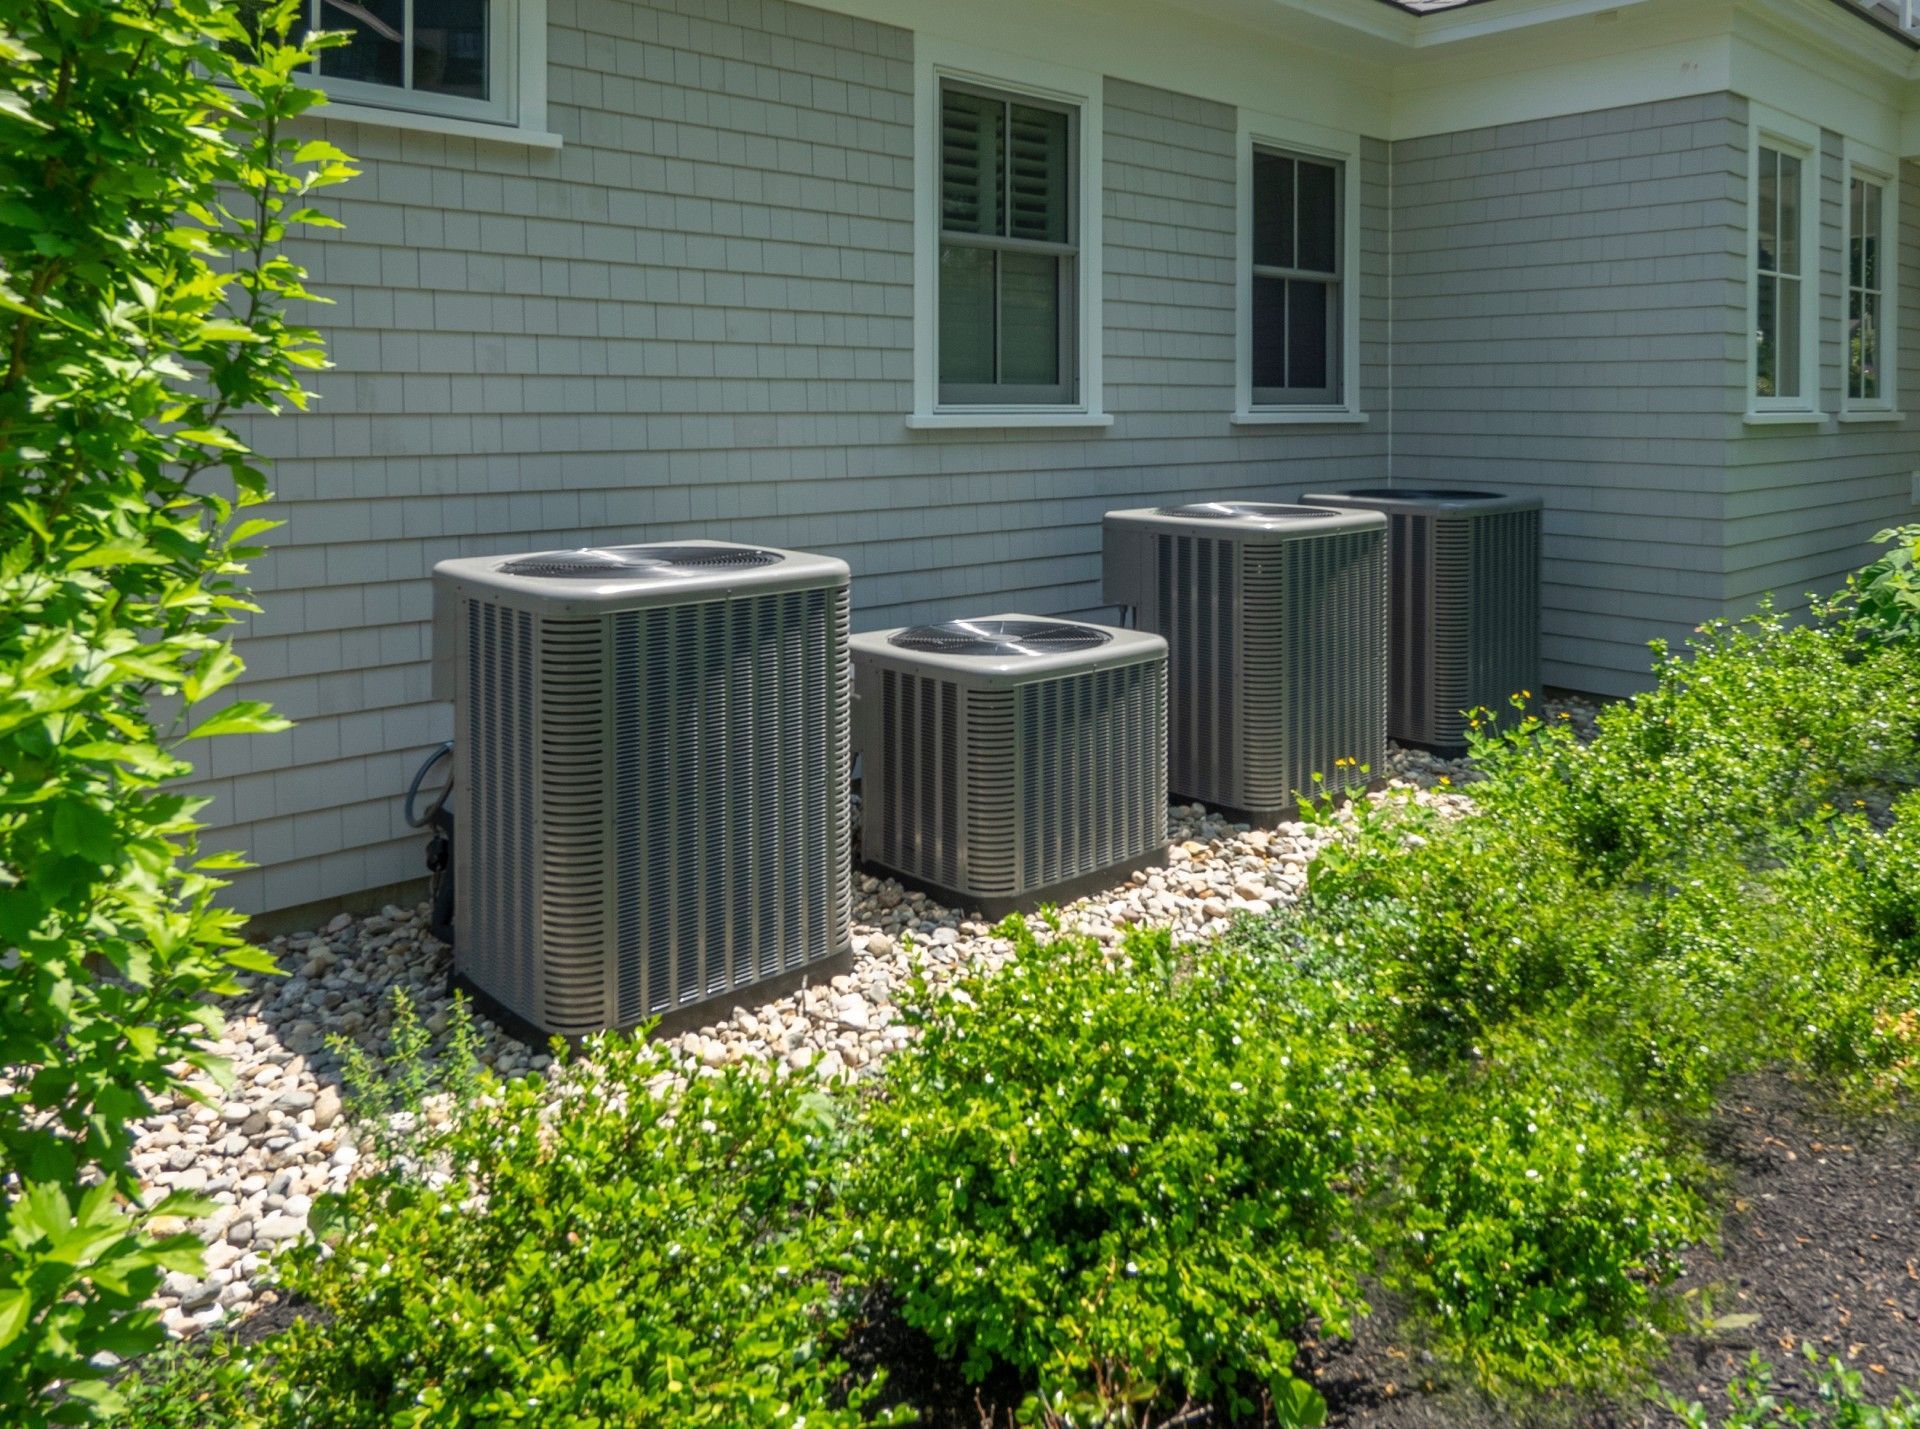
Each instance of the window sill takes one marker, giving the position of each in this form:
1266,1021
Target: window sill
1871,415
1305,417
953,421
1784,419
418,123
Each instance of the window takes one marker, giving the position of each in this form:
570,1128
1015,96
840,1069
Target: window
1777,264
1783,374
1007,249
1006,242
1864,293
455,60
1298,265
1869,317
1296,318
421,46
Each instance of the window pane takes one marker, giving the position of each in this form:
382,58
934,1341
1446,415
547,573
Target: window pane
1037,174
1766,202
1319,223
1307,336
1766,337
450,47
1269,332
1856,212
1870,237
1863,365
1789,214
966,315
374,54
970,159
1029,318
1272,210
1787,357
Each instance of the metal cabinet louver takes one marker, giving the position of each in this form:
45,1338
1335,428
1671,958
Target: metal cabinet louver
1010,760
1274,618
653,749
1464,629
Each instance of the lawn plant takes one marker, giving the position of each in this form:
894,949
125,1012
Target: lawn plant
146,186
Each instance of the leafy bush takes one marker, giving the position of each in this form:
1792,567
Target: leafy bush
1885,594
1123,1183
1752,733
625,1253
144,190
1459,923
1840,1401
1542,1217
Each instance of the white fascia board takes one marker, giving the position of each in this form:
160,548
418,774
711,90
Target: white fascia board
1217,53
1470,22
1787,73
1640,55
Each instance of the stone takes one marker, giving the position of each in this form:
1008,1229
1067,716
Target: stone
326,1108
280,1227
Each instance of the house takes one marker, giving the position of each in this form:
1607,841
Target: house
931,284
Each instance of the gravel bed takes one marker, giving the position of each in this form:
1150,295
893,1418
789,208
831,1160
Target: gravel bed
263,1149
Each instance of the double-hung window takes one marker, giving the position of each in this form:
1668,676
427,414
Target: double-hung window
1006,241
1297,271
1868,317
1298,259
1784,274
1009,249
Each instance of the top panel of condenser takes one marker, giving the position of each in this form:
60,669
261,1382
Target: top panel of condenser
1266,522
594,580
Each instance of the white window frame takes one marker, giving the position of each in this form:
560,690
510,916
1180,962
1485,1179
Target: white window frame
935,61
1879,167
1772,129
515,111
1311,141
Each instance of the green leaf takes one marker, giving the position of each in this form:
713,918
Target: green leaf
16,1306
241,717
227,330
115,553
210,437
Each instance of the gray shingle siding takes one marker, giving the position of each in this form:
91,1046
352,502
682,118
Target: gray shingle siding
1803,501
695,318
1568,297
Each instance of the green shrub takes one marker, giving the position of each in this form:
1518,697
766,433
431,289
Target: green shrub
1753,732
144,193
1542,1217
1884,595
1458,923
625,1253
1839,1401
1117,1181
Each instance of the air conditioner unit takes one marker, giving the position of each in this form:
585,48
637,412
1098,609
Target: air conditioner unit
1464,620
1010,760
1274,618
652,747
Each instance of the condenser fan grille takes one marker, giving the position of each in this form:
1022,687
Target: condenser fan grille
1000,637
639,562
1241,511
